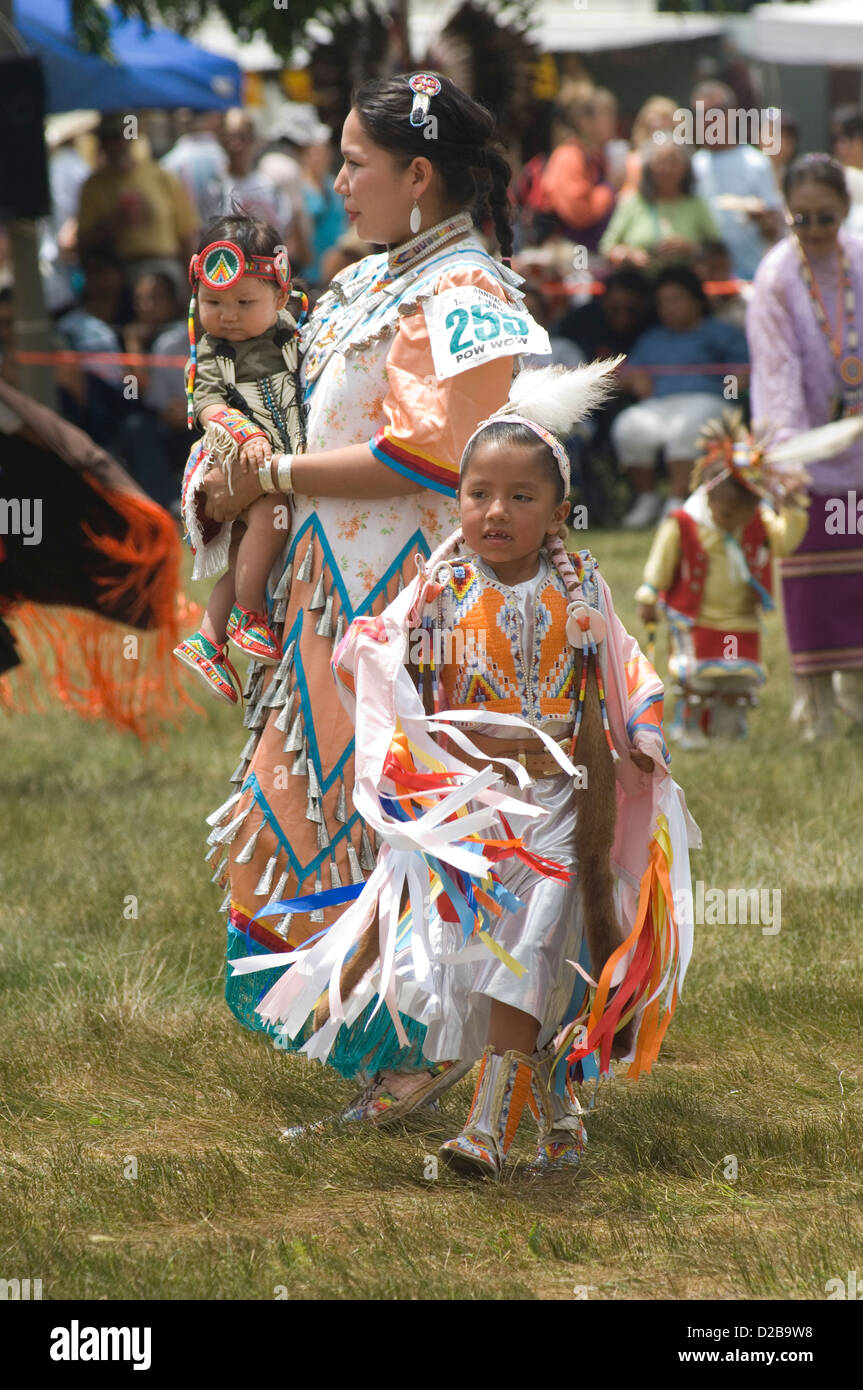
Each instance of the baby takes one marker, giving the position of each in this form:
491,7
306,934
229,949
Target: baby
241,387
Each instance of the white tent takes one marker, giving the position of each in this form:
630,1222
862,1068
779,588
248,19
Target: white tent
828,33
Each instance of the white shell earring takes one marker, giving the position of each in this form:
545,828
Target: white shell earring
416,218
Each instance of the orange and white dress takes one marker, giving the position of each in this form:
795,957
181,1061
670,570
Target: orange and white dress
368,374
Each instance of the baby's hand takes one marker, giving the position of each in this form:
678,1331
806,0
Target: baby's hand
254,454
647,612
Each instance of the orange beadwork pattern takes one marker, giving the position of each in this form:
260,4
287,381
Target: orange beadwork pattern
482,652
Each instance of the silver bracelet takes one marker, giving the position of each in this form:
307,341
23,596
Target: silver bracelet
283,472
265,476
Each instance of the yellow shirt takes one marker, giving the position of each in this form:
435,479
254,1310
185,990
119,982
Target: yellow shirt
168,212
728,602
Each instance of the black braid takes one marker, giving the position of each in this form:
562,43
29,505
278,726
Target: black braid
498,201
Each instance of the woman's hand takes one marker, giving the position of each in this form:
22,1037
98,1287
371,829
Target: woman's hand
222,505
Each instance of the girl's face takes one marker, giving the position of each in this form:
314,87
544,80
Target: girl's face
509,507
245,310
378,194
821,212
676,308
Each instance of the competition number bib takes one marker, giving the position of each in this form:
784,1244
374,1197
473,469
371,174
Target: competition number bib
468,325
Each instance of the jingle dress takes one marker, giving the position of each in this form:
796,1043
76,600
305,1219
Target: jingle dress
367,374
795,383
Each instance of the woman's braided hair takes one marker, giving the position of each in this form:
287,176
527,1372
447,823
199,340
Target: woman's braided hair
465,148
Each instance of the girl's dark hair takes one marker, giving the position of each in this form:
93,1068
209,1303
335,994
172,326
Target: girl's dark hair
647,186
514,435
251,234
466,149
687,280
816,168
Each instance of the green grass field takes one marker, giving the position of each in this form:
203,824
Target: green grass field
140,1125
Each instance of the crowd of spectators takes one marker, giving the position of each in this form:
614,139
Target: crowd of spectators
645,247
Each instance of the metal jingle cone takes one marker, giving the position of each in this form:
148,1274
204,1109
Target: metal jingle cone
318,914
280,608
279,889
226,902
313,810
253,676
341,627
285,715
259,717
274,697
323,834
249,747
220,870
229,832
284,926
287,661
265,882
283,588
319,597
285,693
212,853
357,875
367,854
324,625
301,763
246,853
314,784
335,876
216,816
294,740
305,571
342,804
239,773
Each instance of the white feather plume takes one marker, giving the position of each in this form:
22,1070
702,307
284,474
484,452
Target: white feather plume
558,397
820,443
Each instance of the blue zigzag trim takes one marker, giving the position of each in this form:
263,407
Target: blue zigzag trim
252,784
312,523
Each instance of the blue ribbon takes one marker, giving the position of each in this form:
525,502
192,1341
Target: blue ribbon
329,898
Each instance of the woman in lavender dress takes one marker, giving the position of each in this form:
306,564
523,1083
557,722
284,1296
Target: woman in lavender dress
804,325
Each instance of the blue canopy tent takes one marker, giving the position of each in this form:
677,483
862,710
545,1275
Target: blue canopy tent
152,68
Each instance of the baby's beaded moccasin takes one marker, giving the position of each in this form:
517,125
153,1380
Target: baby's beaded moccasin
211,663
251,633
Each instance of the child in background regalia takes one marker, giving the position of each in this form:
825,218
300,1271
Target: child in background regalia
241,386
470,922
710,569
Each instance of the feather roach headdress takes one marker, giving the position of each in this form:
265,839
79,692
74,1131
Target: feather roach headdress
552,400
775,473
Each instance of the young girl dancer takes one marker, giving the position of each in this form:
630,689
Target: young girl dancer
241,386
469,922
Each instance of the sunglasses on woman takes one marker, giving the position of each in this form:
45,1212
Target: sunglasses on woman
818,219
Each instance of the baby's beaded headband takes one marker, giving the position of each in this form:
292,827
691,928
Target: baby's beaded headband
218,267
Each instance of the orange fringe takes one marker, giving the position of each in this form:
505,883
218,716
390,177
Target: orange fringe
91,665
